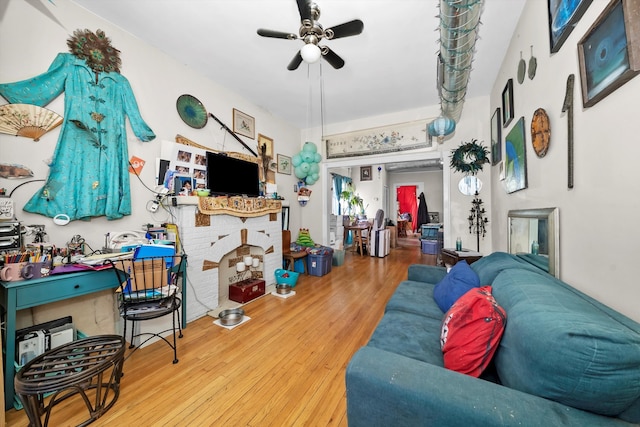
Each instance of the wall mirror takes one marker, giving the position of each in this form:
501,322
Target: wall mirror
470,185
541,226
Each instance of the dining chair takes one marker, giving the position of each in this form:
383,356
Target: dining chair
148,290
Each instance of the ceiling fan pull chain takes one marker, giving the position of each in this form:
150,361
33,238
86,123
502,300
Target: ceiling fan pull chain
321,104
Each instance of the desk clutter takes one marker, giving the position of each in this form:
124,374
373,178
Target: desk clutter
25,265
21,260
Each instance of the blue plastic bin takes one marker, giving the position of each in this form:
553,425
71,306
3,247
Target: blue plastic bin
298,265
320,264
430,247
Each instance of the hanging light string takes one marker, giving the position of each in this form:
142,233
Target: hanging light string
321,105
310,88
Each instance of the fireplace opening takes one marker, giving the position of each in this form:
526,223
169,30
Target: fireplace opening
244,263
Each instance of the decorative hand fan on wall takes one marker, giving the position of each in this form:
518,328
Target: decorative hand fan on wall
27,120
311,32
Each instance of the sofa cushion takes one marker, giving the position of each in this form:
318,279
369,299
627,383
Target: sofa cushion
471,331
415,297
410,335
487,268
562,345
460,279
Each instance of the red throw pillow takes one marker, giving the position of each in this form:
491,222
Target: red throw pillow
471,331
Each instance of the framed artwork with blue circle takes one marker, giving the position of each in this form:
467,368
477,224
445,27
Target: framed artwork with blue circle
609,53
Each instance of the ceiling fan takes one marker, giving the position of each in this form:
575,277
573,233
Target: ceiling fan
311,32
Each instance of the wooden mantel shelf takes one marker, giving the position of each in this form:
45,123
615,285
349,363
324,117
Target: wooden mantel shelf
245,207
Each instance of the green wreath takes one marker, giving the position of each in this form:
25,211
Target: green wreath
469,157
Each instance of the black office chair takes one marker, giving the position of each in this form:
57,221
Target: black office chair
149,289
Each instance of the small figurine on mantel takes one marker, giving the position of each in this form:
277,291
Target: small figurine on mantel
88,174
265,159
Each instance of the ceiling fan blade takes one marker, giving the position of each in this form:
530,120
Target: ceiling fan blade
295,62
332,58
351,28
276,34
304,7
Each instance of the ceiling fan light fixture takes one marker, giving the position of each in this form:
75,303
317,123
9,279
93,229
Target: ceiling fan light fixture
310,53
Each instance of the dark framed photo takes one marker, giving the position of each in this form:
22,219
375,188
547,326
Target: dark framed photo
609,53
507,103
365,173
496,135
563,17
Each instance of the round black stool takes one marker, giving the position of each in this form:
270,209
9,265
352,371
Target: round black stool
90,367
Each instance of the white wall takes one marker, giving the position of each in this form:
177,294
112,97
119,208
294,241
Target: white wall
156,80
598,224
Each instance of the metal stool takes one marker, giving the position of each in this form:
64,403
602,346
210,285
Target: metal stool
90,367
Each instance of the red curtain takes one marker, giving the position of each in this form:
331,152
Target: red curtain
407,202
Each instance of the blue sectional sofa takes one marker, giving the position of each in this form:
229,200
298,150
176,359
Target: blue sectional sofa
564,359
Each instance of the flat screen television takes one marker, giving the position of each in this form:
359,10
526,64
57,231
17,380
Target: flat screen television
230,176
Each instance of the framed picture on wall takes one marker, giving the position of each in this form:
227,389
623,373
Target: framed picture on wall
507,103
284,164
244,124
515,158
609,53
496,142
365,173
563,17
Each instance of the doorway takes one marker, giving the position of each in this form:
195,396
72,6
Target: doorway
353,163
407,197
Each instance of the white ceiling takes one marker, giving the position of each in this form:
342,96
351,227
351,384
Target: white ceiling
390,67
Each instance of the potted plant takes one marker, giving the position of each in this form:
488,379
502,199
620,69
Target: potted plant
355,204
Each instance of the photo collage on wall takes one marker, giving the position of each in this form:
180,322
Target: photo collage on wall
184,161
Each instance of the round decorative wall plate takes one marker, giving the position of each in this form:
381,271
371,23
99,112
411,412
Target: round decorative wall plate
522,69
540,132
191,111
533,65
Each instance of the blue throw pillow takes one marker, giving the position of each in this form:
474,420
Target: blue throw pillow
460,279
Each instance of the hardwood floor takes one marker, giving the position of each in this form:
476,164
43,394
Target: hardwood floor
284,367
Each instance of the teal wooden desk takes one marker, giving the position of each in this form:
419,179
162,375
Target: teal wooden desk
31,293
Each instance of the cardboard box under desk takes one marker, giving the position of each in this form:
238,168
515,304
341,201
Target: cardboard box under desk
246,290
150,273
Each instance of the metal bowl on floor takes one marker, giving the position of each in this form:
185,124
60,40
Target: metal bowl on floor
283,289
231,317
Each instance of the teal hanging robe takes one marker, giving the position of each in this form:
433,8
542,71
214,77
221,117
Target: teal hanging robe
88,174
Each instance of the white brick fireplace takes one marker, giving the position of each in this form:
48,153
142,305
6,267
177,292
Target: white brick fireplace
207,244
